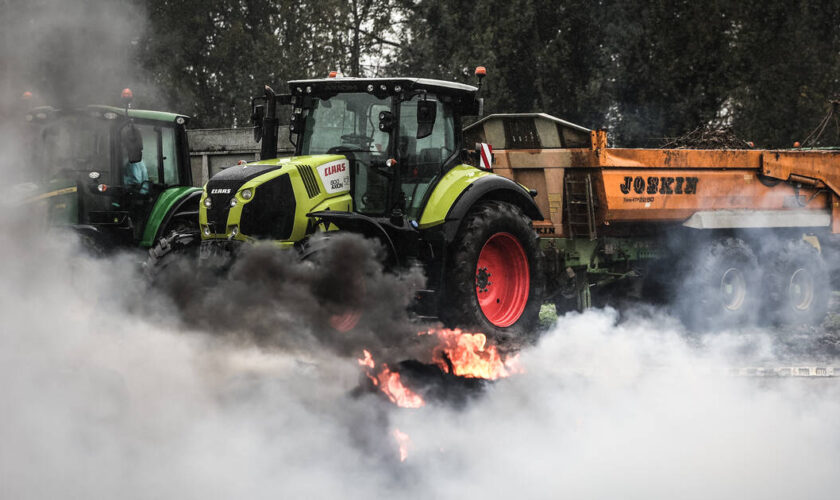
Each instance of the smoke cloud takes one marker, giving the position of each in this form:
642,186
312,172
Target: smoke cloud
102,401
233,386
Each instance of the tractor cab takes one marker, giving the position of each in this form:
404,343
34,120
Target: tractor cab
103,170
399,135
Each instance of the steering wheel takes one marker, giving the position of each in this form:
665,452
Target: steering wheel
344,149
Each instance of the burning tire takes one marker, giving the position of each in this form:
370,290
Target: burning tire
798,285
495,282
722,286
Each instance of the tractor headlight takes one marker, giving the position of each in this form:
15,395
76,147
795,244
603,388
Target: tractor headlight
246,194
208,202
233,202
206,230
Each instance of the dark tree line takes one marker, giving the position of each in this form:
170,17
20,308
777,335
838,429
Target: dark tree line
645,69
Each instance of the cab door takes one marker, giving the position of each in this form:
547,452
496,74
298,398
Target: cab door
421,160
156,171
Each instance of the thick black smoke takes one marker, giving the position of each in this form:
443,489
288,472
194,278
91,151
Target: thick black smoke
271,297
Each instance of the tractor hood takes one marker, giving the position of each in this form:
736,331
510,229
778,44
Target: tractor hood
268,199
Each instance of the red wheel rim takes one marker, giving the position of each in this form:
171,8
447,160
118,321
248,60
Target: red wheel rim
502,279
345,321
351,309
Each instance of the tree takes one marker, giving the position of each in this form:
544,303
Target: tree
789,68
539,57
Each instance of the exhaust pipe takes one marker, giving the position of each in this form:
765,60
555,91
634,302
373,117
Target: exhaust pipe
271,124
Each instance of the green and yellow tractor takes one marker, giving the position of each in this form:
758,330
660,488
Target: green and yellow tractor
119,177
385,158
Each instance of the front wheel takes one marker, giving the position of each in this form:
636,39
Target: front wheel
178,249
494,284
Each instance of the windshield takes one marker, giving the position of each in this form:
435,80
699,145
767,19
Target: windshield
72,144
345,122
348,124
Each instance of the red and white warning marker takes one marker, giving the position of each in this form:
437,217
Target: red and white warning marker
485,156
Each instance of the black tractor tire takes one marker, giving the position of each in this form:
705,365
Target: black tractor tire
506,227
721,286
798,285
176,251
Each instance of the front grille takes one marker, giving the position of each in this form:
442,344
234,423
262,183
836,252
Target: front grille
217,214
271,213
309,181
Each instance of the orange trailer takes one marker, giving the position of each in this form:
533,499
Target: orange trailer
757,223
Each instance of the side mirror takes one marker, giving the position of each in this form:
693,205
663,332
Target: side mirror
133,144
426,114
257,117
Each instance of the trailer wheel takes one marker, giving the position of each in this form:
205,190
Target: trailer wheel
798,285
494,283
721,288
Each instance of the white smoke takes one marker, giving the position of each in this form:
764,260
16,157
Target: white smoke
635,410
99,402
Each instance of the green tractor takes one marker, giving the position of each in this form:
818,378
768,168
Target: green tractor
385,158
119,177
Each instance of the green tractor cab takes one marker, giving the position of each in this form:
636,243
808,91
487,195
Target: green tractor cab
385,158
119,177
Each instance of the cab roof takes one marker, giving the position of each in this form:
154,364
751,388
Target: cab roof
100,110
351,84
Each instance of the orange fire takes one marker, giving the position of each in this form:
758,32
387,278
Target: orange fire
389,383
403,441
469,356
368,359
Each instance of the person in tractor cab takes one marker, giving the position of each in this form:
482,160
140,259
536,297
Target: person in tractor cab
135,174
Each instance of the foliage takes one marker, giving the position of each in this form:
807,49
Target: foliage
646,69
208,57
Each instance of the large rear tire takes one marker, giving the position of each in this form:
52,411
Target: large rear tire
494,281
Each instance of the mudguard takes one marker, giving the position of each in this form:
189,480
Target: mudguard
173,202
361,224
489,187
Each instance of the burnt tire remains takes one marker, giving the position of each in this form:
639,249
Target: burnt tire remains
494,285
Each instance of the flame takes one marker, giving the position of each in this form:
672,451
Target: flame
468,355
400,395
367,360
403,441
389,383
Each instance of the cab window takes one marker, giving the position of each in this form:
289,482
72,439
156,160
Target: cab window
159,157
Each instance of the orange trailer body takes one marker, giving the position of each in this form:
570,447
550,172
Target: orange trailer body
753,188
